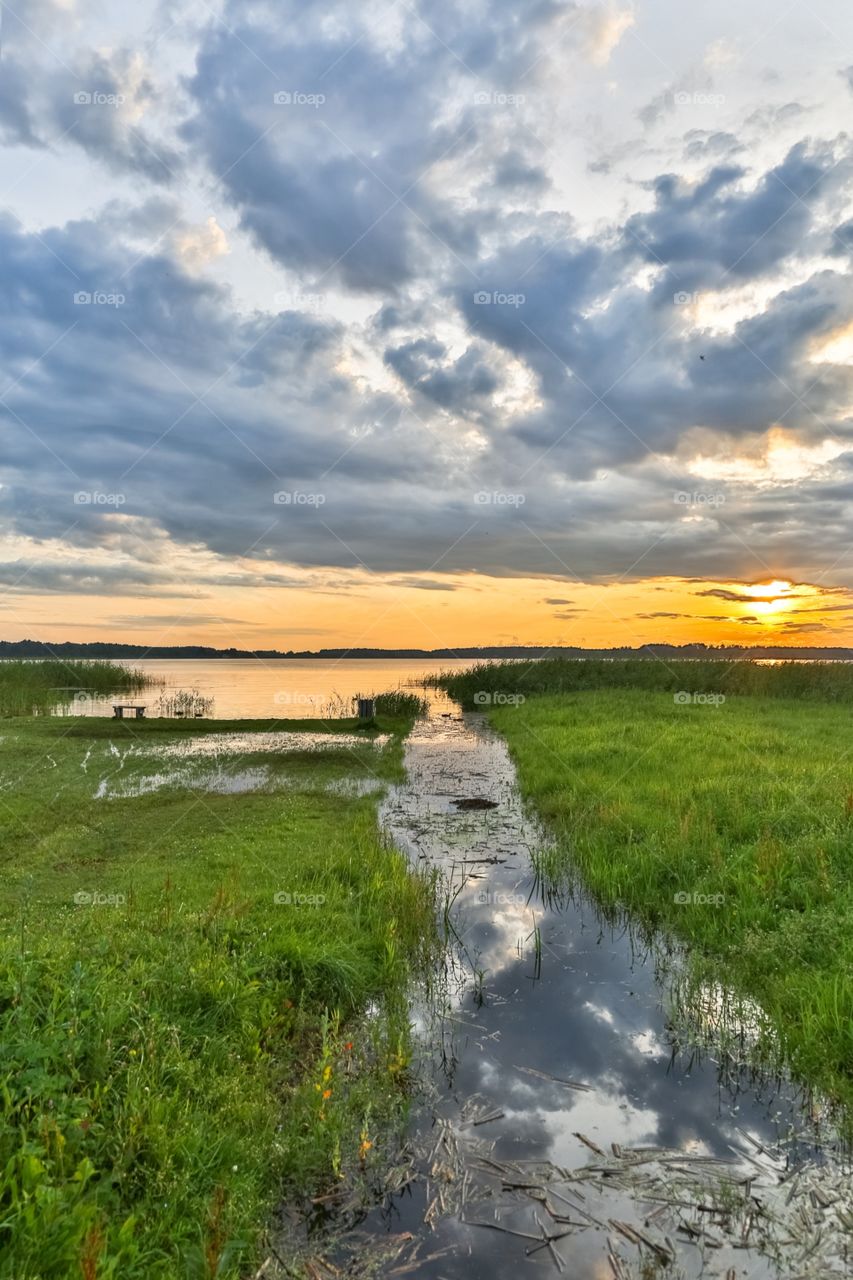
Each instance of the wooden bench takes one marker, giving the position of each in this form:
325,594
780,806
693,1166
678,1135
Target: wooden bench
119,709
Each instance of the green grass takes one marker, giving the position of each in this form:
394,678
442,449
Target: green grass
182,983
750,801
747,803
28,688
827,681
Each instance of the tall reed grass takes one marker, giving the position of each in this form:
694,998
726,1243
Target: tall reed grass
824,681
35,687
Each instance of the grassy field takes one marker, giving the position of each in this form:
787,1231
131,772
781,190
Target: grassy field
724,820
183,979
27,688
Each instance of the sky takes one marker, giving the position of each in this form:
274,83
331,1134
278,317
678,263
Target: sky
426,324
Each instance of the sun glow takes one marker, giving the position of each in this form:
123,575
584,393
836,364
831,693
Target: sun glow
769,599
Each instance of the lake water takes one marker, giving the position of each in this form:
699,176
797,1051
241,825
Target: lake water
284,688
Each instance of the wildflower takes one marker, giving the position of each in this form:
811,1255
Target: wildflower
327,1093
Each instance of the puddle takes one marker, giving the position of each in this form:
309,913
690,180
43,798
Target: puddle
220,782
569,1125
229,744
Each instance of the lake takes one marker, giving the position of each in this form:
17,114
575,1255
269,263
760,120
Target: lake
283,688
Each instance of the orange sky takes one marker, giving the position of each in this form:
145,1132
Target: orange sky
359,610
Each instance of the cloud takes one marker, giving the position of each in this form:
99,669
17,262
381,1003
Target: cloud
422,584
196,247
158,620
100,105
398,179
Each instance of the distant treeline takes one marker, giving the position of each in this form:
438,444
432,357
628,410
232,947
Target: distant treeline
107,649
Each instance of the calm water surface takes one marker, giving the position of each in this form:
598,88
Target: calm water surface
283,688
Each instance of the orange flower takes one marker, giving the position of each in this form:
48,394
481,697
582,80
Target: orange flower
327,1093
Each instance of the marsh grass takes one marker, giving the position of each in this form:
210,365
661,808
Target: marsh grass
401,703
32,688
728,827
824,681
183,986
184,703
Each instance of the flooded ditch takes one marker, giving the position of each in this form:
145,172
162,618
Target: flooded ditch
569,1120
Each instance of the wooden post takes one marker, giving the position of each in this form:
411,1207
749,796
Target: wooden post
366,708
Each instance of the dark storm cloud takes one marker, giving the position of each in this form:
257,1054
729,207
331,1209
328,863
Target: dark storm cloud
94,105
452,384
530,387
715,226
512,170
16,121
